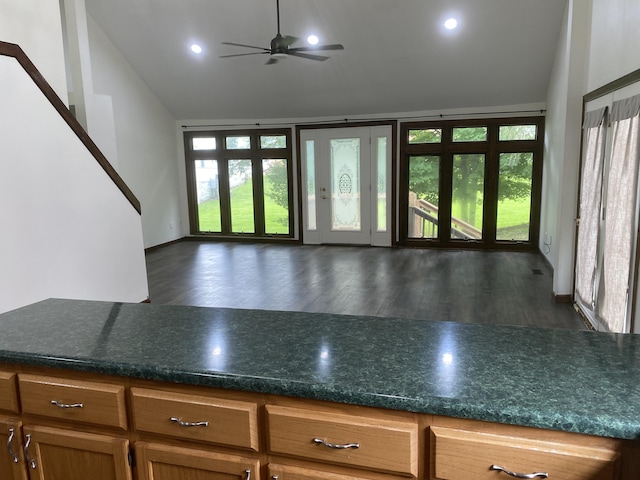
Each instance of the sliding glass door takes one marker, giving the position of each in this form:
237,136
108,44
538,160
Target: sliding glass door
608,216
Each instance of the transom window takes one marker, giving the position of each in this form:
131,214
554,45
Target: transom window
471,183
240,183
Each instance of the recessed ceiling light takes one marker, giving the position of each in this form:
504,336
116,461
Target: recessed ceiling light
451,23
195,48
312,40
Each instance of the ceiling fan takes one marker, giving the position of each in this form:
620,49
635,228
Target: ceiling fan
281,47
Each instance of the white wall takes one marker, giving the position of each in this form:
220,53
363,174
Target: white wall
35,26
562,145
146,143
67,231
615,40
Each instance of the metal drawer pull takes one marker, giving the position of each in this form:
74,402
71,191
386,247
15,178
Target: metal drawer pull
247,472
12,454
519,475
66,405
30,461
338,446
188,424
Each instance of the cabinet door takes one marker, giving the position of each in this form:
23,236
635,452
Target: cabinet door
12,465
164,462
56,454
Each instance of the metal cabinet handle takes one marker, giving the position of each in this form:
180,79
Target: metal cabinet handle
180,422
12,454
247,474
27,457
519,475
338,446
66,405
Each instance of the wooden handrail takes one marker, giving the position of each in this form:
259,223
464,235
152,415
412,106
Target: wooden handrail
424,209
13,50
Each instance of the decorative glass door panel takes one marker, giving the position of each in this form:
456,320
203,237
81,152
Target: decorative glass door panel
467,197
381,187
346,177
311,185
345,185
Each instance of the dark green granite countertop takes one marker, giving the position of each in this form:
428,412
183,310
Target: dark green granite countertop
573,381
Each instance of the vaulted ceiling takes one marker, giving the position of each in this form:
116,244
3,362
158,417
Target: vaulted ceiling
398,57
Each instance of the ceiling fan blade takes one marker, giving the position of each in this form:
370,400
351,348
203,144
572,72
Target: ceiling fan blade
242,54
271,61
335,46
306,55
243,45
288,40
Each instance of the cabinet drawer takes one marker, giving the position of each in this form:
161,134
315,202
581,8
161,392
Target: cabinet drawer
8,397
288,472
195,417
73,400
382,444
461,454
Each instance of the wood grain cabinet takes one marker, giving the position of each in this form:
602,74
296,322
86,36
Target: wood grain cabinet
56,454
167,462
370,443
73,400
460,455
289,472
12,466
8,396
94,427
196,417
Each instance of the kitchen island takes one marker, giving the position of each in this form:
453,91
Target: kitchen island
586,383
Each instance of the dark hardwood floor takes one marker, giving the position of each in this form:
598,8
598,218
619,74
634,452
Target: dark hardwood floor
505,288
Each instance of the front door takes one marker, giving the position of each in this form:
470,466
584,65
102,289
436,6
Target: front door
347,181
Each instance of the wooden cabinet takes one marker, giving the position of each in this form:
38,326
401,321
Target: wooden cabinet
57,454
366,442
198,433
166,462
12,466
73,400
8,396
461,454
196,417
289,472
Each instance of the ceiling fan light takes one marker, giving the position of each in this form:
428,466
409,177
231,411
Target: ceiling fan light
279,56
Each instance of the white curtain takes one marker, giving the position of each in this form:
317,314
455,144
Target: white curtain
620,215
590,206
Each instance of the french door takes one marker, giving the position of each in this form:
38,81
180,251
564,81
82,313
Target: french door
346,184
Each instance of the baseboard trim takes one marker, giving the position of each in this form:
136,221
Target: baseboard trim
563,298
162,245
